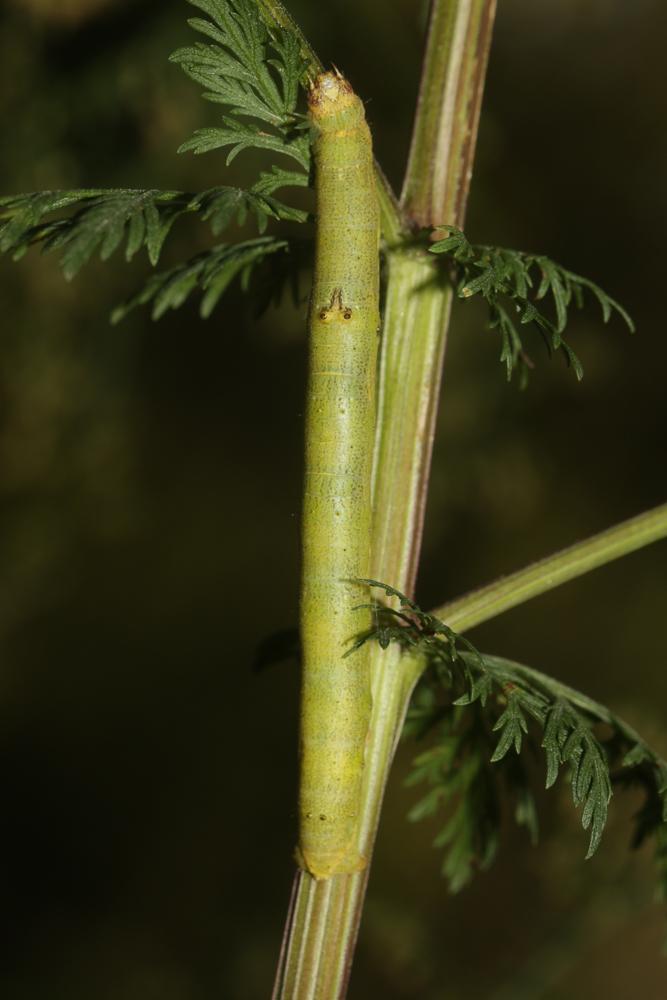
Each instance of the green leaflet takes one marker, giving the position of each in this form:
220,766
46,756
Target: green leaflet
99,220
254,72
482,711
506,279
344,320
211,271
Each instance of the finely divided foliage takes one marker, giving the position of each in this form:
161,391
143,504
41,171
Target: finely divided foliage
211,271
103,220
256,72
238,72
481,710
507,280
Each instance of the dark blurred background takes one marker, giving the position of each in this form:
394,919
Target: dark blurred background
150,477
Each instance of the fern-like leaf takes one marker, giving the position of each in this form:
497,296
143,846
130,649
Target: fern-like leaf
241,136
212,272
276,178
568,739
506,279
104,220
255,73
513,725
465,697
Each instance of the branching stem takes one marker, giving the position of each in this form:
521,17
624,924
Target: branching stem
487,602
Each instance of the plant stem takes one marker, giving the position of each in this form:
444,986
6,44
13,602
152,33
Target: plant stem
509,591
324,917
437,179
416,317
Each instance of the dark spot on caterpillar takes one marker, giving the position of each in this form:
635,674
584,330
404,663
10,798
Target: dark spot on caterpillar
347,314
322,816
324,314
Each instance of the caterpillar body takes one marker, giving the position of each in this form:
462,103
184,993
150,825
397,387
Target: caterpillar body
340,422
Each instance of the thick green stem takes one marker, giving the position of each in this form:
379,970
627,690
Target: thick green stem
487,602
322,926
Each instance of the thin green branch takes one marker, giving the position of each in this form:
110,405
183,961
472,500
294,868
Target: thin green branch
480,605
392,222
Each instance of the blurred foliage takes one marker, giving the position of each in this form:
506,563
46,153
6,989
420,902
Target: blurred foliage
69,12
151,477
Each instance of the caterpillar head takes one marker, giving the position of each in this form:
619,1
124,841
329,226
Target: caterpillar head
330,95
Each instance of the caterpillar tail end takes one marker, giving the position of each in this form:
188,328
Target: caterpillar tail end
323,866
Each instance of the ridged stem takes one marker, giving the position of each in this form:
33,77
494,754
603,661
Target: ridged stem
437,179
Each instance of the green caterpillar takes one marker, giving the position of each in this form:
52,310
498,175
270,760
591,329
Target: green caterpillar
340,423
